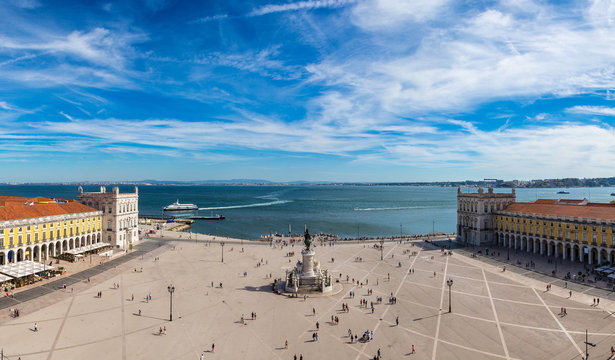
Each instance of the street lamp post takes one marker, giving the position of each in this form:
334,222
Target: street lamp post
171,290
449,282
222,243
381,249
587,343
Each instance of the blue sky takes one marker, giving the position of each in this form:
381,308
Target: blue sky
338,90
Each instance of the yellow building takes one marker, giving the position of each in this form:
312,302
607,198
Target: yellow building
38,228
576,230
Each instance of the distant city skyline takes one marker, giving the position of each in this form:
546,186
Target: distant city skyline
314,90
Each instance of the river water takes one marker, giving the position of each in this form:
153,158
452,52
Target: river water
346,211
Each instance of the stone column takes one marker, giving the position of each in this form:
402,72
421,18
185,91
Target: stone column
589,256
581,254
556,251
549,252
516,243
535,247
599,257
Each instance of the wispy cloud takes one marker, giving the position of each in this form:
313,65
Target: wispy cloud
299,5
278,8
263,62
26,4
592,110
209,18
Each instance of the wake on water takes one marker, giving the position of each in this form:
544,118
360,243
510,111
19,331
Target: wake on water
277,202
388,208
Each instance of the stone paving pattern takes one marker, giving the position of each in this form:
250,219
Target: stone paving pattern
495,314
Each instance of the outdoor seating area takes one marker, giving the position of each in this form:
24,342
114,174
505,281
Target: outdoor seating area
72,255
606,273
22,273
88,248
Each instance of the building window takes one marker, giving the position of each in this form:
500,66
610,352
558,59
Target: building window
604,236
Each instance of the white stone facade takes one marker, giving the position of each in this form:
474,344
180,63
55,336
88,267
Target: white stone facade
120,218
475,211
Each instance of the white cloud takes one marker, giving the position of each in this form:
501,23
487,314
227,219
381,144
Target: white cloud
5,106
556,151
100,46
464,60
592,110
384,14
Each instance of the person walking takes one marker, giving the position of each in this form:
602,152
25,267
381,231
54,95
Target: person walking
213,346
412,348
397,320
286,344
202,356
35,327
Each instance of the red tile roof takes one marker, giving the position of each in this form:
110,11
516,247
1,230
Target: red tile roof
592,211
15,208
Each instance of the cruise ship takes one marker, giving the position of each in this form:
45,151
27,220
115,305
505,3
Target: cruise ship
178,209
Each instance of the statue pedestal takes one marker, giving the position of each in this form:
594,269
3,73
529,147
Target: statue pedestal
307,266
307,277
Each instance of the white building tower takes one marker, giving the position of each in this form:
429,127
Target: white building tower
120,218
475,213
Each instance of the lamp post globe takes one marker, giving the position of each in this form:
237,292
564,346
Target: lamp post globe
222,243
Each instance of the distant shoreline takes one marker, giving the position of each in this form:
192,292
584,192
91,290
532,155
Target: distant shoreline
534,184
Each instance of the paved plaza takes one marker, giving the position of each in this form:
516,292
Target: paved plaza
495,314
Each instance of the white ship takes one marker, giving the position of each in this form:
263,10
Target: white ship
177,208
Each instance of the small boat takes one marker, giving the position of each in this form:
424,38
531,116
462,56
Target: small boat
563,192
